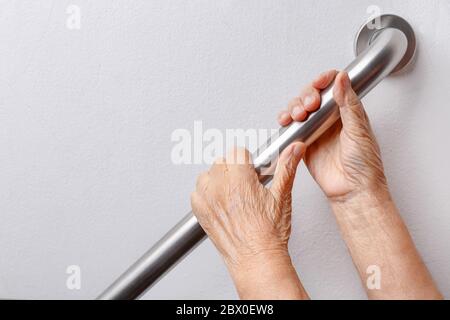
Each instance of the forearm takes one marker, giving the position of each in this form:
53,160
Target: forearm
377,237
267,277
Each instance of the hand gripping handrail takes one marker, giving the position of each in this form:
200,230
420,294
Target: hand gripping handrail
383,46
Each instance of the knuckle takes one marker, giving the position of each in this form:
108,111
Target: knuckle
357,110
353,102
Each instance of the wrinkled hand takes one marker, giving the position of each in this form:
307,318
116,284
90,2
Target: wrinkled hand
243,218
345,161
250,224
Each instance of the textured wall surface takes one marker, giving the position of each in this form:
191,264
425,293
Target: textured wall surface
86,117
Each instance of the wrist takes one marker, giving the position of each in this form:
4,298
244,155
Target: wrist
251,263
267,276
363,210
374,197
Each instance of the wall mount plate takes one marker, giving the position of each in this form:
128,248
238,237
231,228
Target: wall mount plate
369,31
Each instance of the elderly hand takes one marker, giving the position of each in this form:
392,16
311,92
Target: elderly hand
347,165
345,161
250,224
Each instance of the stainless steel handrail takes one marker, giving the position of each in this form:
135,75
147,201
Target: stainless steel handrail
386,50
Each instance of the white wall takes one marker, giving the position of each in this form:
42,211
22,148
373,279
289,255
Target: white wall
86,118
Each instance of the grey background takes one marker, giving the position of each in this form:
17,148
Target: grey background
86,117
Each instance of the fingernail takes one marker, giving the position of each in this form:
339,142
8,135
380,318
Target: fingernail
297,111
308,101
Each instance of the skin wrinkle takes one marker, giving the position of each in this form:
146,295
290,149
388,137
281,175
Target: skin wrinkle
251,225
366,243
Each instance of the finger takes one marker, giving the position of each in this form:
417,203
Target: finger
310,97
218,168
238,156
283,179
284,118
296,110
239,163
217,172
324,79
351,109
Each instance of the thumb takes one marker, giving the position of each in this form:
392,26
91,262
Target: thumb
353,116
283,179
